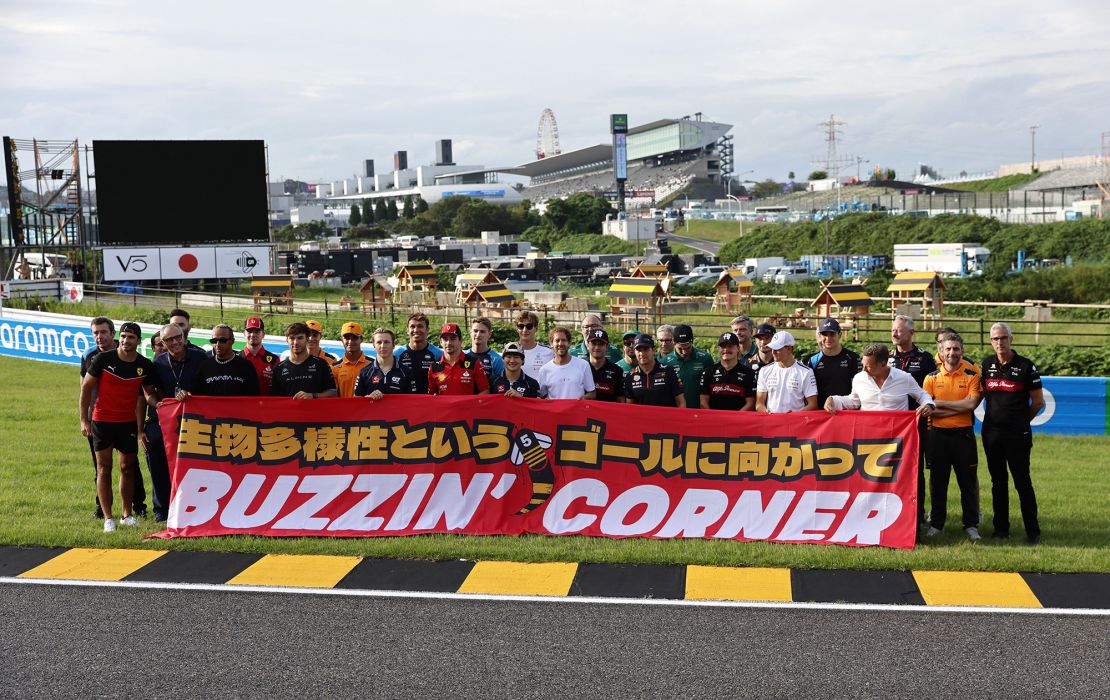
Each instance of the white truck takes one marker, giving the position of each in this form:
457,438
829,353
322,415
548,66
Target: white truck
959,259
756,268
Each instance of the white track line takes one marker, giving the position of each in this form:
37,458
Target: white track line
423,595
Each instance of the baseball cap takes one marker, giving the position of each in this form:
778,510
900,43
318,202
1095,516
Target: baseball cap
314,326
512,349
828,325
450,329
643,341
764,329
351,328
728,338
781,340
683,333
130,327
628,334
254,323
597,334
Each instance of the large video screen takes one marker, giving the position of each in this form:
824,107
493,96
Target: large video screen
181,191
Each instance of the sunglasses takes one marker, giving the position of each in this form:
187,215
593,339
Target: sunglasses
173,339
525,326
628,342
219,341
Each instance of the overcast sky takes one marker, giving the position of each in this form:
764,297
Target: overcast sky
327,84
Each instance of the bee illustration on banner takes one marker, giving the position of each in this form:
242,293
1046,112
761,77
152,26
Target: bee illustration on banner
529,449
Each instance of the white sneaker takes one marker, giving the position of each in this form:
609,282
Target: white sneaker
972,534
933,532
109,525
129,521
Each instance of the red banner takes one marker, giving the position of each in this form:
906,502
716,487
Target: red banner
489,465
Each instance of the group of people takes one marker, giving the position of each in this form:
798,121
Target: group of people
756,370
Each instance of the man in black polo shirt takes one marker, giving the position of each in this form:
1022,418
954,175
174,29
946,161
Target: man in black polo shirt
418,355
1014,393
513,382
301,375
919,363
650,383
225,373
763,355
383,375
608,376
833,365
104,336
728,385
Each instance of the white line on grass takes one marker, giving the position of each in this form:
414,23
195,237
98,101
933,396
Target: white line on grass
587,600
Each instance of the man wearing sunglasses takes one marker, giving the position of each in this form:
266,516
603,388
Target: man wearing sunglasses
225,373
536,354
629,361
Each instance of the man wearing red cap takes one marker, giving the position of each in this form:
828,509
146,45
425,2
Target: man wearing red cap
456,373
256,353
354,359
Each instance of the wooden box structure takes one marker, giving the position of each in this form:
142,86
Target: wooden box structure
732,291
924,288
469,279
637,294
416,277
376,291
492,299
273,291
644,269
842,300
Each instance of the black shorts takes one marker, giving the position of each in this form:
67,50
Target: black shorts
953,446
121,436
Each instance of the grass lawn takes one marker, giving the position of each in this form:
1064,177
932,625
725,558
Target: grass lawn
47,498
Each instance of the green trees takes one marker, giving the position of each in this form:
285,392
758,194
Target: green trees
381,212
421,205
367,212
818,175
408,211
356,216
391,210
578,213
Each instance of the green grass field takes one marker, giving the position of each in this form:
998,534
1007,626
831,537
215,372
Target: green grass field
46,496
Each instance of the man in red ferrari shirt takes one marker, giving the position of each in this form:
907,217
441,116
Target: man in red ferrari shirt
260,358
456,373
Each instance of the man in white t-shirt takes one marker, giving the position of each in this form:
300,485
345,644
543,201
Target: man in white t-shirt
536,354
786,385
565,376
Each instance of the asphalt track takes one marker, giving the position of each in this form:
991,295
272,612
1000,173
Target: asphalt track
80,641
711,247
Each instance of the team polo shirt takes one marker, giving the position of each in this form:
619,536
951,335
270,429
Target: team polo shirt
118,386
525,386
746,357
787,388
1007,387
608,381
418,362
834,373
263,362
626,366
371,378
917,363
659,387
612,353
727,389
236,377
491,362
346,373
535,358
173,375
757,363
689,371
464,378
313,376
956,385
86,362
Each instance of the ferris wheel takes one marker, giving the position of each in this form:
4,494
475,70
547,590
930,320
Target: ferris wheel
547,135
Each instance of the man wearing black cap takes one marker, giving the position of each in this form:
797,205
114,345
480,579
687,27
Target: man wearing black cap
608,376
728,385
264,361
456,373
513,382
763,356
651,383
118,376
689,362
833,365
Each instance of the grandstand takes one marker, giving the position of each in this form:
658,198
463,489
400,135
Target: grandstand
665,157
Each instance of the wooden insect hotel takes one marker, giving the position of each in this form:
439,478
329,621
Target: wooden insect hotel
919,295
637,295
469,279
273,293
377,293
842,301
732,291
